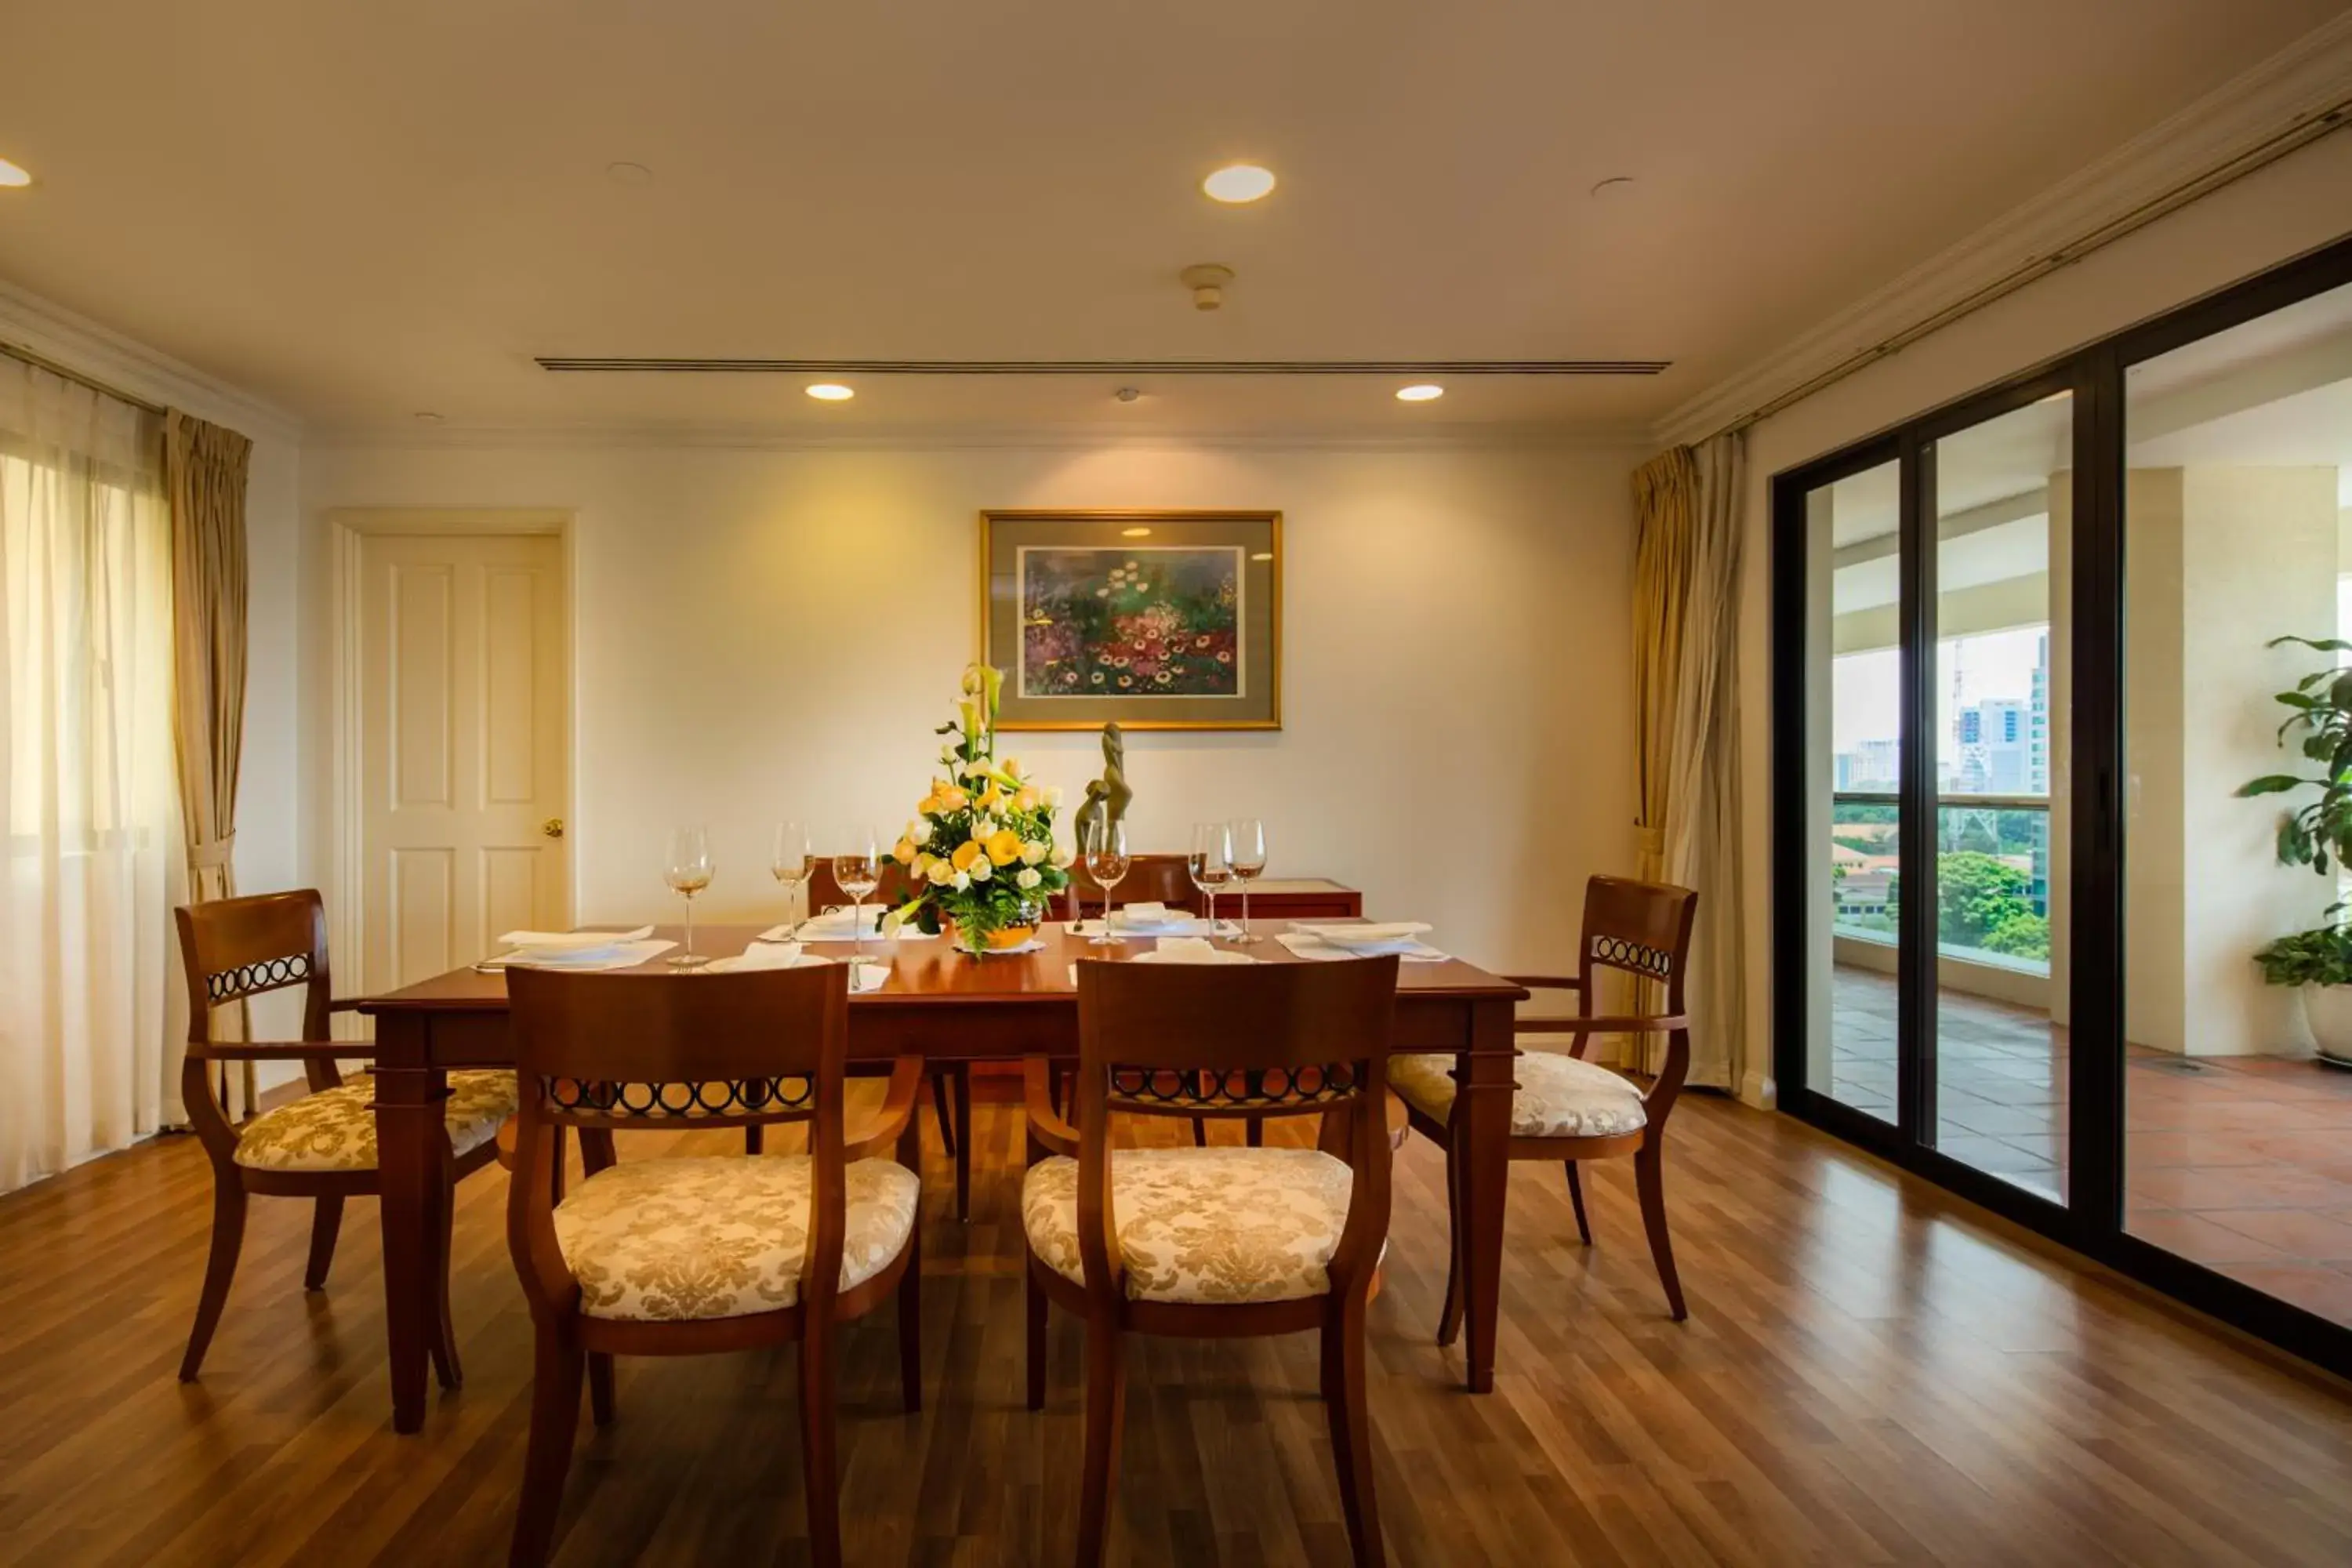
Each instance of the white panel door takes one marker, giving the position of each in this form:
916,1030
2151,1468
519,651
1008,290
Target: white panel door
464,745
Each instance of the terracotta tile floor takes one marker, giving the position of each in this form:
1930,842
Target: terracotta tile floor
2240,1163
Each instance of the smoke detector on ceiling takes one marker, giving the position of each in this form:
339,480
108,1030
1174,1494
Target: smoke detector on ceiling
1207,280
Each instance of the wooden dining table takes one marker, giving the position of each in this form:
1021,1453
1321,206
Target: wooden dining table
938,1003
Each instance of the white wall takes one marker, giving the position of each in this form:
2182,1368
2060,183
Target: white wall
2296,205
765,632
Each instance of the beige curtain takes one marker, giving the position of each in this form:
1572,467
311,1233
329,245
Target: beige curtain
90,862
203,478
1690,506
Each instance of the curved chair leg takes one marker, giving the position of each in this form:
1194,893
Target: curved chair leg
599,1387
1649,1177
326,1219
817,1458
1351,1437
1034,1304
220,1268
444,1343
1576,1197
1449,1317
1106,1414
554,1420
940,1110
962,1086
910,1324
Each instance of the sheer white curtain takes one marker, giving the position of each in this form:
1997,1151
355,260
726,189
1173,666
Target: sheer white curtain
90,1010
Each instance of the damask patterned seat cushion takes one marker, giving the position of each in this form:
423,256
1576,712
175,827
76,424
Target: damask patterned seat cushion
673,1239
333,1129
1560,1095
1225,1224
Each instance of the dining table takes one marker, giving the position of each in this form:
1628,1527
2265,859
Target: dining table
938,1003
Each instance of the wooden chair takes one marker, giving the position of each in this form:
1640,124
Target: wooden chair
1295,1235
1566,1108
692,1254
322,1145
947,1077
1150,878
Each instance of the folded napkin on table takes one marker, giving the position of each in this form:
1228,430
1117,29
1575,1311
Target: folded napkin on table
1191,950
867,976
547,939
1306,945
840,925
605,955
1152,918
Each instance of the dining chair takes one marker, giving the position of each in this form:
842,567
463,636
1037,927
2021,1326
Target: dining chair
1224,1241
948,1078
1163,879
322,1145
1571,1109
691,1255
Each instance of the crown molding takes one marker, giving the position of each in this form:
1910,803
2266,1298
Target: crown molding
103,354
2301,83
1614,438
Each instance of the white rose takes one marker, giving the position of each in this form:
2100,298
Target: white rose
1053,795
1026,877
963,882
919,830
981,870
941,873
1033,851
1062,859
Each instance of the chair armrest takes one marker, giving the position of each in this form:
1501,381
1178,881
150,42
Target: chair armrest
897,1105
1046,1124
348,1004
1547,981
281,1050
1655,1024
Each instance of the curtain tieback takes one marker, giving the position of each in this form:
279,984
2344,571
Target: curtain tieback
214,856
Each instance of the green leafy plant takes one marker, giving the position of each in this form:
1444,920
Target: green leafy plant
2316,832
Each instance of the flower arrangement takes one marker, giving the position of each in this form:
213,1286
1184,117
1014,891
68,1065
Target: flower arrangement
980,849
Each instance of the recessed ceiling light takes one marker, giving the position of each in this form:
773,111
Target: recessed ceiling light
426,417
13,174
1135,533
1423,392
1237,183
628,173
831,392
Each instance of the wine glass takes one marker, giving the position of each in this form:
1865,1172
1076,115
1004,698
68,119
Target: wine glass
1248,850
1211,863
789,864
857,869
1103,845
687,871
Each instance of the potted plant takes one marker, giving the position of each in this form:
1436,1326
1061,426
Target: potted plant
2318,834
980,849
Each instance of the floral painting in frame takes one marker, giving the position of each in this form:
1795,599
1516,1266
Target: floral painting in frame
1159,620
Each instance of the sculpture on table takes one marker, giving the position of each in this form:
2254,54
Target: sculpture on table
1107,796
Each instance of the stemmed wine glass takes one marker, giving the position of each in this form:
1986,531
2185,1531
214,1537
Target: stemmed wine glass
789,864
1103,845
1211,863
857,868
687,871
1247,849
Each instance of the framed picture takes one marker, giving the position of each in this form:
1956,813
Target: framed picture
1161,620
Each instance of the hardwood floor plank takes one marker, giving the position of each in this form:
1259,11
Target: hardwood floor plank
1872,1373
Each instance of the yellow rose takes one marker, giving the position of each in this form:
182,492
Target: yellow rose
1025,799
903,852
1004,846
952,799
965,854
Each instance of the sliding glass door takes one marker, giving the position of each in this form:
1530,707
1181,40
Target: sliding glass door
2040,933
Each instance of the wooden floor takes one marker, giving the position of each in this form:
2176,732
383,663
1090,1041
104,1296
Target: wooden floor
1871,1373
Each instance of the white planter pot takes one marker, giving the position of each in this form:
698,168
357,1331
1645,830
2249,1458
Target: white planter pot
2328,1010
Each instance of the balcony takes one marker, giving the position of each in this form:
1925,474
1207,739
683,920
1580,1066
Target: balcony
1992,876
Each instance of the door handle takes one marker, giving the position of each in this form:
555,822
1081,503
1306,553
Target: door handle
553,827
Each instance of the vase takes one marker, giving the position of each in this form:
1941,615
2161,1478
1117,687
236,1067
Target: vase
2328,1010
1024,927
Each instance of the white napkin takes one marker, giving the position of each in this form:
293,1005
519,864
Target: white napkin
1149,919
610,956
867,976
551,939
1191,950
1412,951
840,925
1361,934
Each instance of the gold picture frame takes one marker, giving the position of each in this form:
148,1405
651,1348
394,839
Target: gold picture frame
1198,648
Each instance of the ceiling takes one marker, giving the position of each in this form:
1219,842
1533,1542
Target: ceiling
364,212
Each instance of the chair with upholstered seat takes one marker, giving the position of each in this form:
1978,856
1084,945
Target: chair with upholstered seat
322,1145
688,1255
1224,1241
1571,1109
